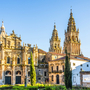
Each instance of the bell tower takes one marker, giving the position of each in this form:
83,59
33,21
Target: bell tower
72,42
55,41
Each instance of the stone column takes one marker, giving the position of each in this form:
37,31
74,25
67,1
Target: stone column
3,67
3,76
23,74
14,70
25,64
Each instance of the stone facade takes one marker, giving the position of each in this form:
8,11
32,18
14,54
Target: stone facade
15,59
56,71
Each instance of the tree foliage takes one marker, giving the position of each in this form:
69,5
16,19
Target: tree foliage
32,72
68,72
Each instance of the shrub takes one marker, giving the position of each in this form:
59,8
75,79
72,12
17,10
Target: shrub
55,88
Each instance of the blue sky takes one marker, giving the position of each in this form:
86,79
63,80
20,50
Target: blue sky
34,20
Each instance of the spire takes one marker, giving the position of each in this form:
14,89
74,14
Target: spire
71,14
2,27
54,26
55,41
71,23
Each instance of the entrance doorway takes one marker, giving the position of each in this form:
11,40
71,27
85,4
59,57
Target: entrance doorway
7,77
57,79
18,77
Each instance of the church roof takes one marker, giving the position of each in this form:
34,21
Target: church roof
72,57
62,58
85,58
54,53
41,51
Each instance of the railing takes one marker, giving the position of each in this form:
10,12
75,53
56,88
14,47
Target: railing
43,66
55,71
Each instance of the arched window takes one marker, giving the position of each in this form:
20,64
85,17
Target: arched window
58,51
45,73
66,38
18,60
18,73
8,44
52,77
57,68
29,59
73,38
55,45
18,43
63,68
76,38
58,45
29,73
69,38
8,60
8,73
52,68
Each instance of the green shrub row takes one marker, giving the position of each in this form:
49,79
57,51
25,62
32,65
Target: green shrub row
55,88
25,88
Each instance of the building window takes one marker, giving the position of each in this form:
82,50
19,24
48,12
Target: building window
57,68
28,80
8,60
63,68
66,38
74,79
52,77
63,78
29,60
18,60
81,64
52,69
18,73
29,73
81,69
55,57
45,73
87,65
8,73
73,38
73,64
55,45
39,78
18,43
58,45
8,44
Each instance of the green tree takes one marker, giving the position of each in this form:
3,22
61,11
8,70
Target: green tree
68,71
32,72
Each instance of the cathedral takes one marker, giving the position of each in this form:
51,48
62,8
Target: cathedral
49,66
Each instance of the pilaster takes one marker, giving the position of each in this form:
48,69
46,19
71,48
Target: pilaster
14,70
3,67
